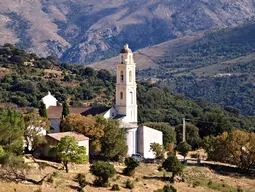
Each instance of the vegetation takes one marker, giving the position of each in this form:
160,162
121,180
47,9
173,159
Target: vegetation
34,125
67,150
172,164
166,188
131,164
158,150
103,171
65,110
129,184
115,187
184,148
236,147
81,178
43,110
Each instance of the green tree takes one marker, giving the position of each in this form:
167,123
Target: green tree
12,131
184,148
113,141
172,164
65,110
43,110
103,171
192,135
131,164
34,125
67,150
158,150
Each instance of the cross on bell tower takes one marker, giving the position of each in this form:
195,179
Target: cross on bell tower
126,86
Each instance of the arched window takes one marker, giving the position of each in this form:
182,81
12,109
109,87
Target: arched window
130,77
132,98
121,76
121,95
122,59
130,59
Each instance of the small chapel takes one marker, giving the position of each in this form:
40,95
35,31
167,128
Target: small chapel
138,138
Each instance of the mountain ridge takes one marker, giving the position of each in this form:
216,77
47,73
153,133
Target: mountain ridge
85,31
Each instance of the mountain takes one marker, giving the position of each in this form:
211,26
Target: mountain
80,32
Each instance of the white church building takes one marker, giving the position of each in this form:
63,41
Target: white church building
138,138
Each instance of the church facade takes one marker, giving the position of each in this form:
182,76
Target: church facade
138,138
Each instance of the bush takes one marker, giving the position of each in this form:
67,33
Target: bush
81,180
56,174
209,183
166,188
103,171
115,187
172,164
131,164
196,183
129,184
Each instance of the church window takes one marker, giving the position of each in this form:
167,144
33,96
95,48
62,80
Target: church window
121,95
121,76
130,77
130,59
122,59
132,98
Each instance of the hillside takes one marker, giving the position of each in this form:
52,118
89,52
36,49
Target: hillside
84,31
146,179
25,83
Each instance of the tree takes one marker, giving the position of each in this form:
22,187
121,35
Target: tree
158,150
34,127
43,110
12,131
65,110
172,164
192,135
67,150
169,135
184,148
88,126
103,171
113,141
131,164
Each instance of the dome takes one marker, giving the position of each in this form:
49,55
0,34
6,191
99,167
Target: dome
126,49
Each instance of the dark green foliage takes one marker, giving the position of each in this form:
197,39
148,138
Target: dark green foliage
166,188
65,110
192,135
172,164
184,148
103,171
81,178
113,141
131,164
115,187
43,110
12,130
129,184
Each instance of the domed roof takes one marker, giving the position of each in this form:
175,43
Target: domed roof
126,49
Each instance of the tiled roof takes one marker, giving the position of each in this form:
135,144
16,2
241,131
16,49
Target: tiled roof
56,112
58,136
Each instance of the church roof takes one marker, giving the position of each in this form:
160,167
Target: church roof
77,136
126,49
56,112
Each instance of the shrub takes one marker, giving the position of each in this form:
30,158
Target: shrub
196,183
56,174
172,164
115,187
166,188
184,148
131,164
209,183
103,171
129,184
81,180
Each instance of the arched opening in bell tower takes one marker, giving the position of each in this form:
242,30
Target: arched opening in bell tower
130,76
132,98
121,76
122,59
121,95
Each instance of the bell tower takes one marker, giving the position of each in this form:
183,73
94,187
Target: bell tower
126,104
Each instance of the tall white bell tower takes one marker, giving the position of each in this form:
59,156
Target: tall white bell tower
126,104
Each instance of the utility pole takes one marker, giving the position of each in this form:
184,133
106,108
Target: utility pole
183,130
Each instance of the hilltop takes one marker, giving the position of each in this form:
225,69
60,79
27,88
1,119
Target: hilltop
84,31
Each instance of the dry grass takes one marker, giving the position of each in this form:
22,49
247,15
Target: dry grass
147,178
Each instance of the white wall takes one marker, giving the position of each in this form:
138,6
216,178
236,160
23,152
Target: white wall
146,136
111,113
131,141
49,100
84,144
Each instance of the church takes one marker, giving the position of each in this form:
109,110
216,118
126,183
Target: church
138,138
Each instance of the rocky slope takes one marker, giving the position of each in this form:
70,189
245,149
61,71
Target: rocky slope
80,31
